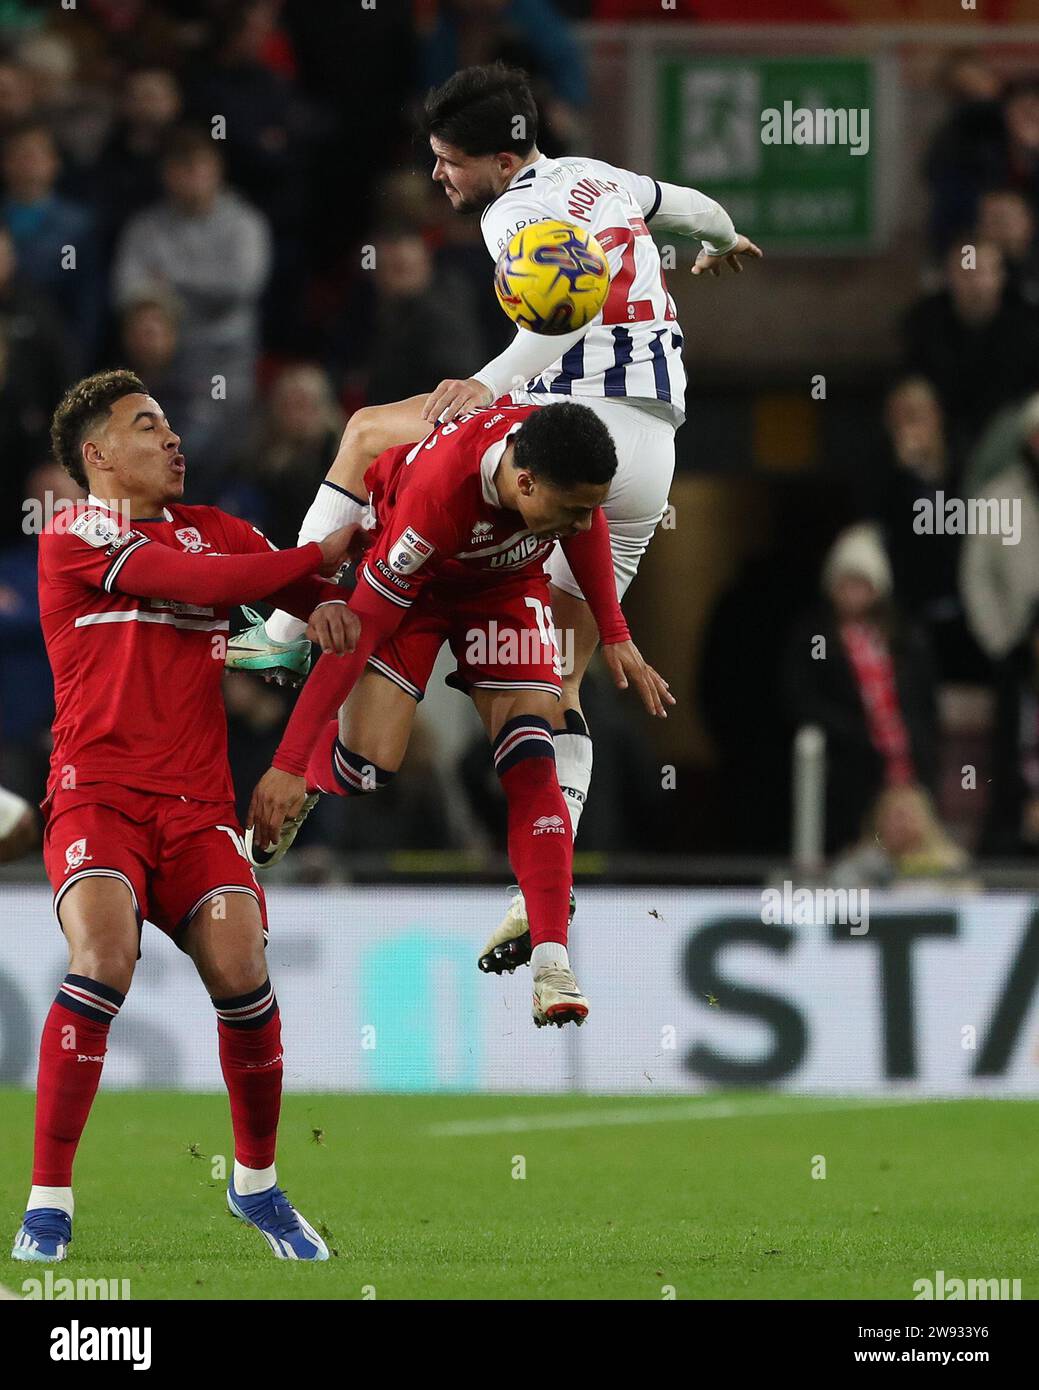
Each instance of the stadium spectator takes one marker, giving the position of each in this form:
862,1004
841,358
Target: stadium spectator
77,111
1006,219
863,673
38,351
918,467
902,840
1012,824
204,243
17,98
266,154
26,692
128,174
984,144
1000,580
149,344
978,347
410,328
53,236
287,453
529,34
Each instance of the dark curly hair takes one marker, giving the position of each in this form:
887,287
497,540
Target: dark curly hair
82,408
567,445
476,110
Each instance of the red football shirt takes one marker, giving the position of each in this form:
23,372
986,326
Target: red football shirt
441,528
137,681
439,517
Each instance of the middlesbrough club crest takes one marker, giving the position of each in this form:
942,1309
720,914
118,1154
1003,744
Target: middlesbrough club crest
191,540
76,854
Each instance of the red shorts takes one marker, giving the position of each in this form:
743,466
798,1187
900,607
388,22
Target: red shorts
172,853
501,635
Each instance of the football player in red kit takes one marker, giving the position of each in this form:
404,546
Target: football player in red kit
464,522
135,592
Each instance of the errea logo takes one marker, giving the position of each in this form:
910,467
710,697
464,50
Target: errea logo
481,532
549,825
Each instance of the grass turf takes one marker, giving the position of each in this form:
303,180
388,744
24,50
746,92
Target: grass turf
721,1207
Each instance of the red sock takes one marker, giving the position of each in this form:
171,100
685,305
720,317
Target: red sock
72,1054
319,769
334,768
541,848
249,1029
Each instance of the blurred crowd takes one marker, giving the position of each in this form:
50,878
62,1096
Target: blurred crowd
920,661
205,191
226,196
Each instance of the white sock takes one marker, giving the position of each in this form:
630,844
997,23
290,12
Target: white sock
549,953
60,1197
250,1180
331,508
574,765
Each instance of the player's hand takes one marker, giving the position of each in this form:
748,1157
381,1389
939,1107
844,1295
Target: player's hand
335,549
334,627
453,398
276,795
626,666
744,247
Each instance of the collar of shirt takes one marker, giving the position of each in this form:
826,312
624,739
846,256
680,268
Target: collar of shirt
528,171
489,461
93,501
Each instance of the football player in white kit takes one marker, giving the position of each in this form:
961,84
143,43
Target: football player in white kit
626,365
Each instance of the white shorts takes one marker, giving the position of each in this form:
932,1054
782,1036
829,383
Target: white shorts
637,497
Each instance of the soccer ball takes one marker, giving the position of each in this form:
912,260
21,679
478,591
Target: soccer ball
552,277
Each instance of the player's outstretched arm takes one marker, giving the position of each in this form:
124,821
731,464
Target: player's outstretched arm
156,571
692,213
528,355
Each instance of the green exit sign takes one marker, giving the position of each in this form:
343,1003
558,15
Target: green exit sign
788,145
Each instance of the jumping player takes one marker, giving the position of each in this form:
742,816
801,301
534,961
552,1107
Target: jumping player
626,366
465,521
135,591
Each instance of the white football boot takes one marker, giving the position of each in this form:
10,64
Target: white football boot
265,858
557,998
509,946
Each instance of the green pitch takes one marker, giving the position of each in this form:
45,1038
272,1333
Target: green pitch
621,1198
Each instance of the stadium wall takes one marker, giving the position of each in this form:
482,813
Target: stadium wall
690,991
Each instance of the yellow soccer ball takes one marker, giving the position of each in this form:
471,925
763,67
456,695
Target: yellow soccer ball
552,277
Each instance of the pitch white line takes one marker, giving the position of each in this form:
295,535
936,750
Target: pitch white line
657,1114
6,1293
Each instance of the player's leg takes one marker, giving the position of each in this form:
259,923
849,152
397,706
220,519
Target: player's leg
578,636
363,748
339,502
99,918
518,723
633,509
225,940
358,752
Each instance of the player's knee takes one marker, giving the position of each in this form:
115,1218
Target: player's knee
231,978
109,962
363,431
526,739
355,774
